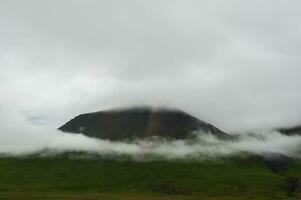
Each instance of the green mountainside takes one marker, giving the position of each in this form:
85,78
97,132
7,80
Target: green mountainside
64,178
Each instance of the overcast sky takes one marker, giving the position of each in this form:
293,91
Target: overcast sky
234,63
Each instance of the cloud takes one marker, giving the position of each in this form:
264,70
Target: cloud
234,64
205,147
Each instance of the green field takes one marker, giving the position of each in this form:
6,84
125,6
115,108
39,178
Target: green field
64,178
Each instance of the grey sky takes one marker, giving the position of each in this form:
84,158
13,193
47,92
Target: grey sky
235,64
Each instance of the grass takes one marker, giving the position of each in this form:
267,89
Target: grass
63,178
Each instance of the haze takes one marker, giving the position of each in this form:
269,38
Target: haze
235,64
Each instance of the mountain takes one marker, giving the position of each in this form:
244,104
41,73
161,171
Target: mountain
139,122
291,131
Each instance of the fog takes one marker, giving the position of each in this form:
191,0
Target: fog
205,147
234,64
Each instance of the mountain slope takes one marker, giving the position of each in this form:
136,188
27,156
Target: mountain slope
139,123
63,178
291,131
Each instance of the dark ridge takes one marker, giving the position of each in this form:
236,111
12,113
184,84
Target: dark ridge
139,123
290,131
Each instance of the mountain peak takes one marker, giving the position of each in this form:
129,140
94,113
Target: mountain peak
139,122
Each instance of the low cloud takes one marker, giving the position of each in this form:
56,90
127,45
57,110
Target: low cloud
51,143
234,64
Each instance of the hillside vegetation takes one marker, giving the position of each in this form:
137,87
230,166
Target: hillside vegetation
65,178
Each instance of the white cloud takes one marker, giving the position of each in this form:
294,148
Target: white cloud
205,147
234,64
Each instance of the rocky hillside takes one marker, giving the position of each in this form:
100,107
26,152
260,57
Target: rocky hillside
291,131
139,123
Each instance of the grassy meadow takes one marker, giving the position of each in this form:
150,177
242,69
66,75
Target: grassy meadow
65,178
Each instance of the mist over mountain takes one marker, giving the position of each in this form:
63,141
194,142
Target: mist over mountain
231,69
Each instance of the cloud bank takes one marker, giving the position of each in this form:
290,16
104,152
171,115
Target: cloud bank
234,64
205,147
